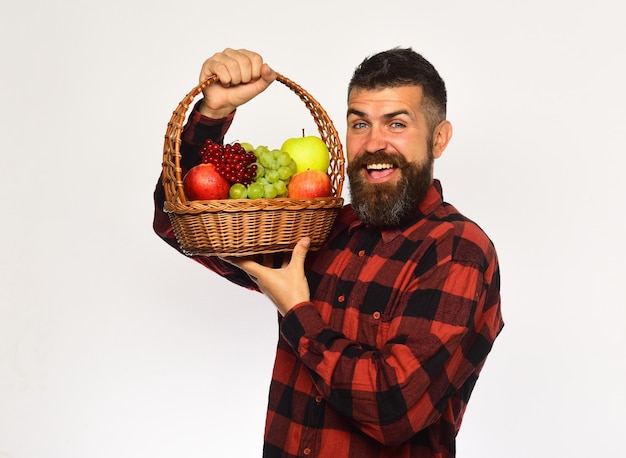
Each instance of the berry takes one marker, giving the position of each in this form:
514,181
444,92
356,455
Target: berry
232,161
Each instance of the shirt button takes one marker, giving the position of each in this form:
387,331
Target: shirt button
376,315
361,253
341,298
318,399
307,451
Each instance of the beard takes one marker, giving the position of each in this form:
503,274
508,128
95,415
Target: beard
388,204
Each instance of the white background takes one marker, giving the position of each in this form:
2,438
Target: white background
114,345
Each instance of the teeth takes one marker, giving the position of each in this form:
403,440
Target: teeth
379,166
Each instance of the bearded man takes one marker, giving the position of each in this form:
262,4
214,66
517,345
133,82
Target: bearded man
385,329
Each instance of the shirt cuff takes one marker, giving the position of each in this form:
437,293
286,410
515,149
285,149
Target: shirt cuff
200,127
301,321
199,118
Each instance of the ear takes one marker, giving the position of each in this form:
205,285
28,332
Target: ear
441,137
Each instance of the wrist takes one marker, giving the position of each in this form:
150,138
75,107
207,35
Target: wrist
212,113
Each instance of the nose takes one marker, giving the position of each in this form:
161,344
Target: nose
375,141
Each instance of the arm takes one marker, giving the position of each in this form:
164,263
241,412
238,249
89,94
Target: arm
242,75
394,391
439,336
198,129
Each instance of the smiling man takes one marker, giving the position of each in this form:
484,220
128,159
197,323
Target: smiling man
396,128
385,329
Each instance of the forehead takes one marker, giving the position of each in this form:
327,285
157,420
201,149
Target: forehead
376,102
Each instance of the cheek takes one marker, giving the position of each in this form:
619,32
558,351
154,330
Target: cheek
353,146
416,151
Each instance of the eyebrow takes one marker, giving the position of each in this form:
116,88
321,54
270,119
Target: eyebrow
391,115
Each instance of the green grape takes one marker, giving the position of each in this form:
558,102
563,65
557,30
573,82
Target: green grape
247,146
238,191
269,191
293,166
260,170
284,173
263,181
272,176
284,159
260,150
255,191
281,188
265,159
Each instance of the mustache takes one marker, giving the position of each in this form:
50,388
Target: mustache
377,157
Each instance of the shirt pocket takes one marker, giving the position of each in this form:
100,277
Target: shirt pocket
373,329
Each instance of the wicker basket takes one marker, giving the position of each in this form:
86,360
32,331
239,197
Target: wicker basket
242,227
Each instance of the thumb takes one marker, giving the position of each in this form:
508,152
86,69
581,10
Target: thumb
299,252
268,74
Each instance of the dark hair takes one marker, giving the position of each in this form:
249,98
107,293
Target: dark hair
404,67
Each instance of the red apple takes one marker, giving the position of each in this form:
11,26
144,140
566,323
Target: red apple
203,182
309,184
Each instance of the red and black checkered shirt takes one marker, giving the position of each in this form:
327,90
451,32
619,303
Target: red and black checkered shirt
383,359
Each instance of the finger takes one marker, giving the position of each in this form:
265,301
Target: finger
228,72
251,65
267,73
239,65
237,261
252,268
226,65
299,253
244,65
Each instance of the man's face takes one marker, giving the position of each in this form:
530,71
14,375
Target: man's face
390,153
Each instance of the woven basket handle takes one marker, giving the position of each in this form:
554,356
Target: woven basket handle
172,175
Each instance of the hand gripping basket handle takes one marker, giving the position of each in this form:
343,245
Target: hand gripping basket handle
172,173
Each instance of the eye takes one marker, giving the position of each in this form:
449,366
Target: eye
359,125
397,125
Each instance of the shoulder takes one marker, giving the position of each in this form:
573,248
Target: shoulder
345,219
467,241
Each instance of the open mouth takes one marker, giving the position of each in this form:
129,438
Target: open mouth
380,170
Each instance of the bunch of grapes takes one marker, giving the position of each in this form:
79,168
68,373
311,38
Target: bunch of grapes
232,161
273,170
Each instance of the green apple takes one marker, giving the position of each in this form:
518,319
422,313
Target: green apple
309,153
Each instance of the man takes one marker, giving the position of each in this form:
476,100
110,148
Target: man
384,330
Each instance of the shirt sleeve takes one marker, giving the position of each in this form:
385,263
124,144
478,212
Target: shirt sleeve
197,130
438,342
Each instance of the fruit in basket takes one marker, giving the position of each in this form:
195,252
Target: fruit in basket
274,169
203,182
233,161
269,191
255,190
309,153
247,146
238,191
309,184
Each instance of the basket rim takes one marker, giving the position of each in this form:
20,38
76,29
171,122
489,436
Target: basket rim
251,205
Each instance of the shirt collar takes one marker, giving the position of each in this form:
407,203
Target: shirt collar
432,200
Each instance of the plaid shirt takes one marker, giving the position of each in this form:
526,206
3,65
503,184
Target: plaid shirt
383,359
